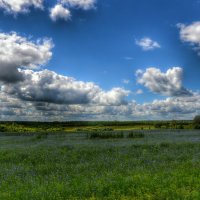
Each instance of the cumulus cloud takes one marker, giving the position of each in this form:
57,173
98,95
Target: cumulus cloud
139,91
147,44
191,33
126,81
20,6
13,108
17,51
60,12
128,58
82,4
48,96
48,86
116,97
169,83
175,107
62,9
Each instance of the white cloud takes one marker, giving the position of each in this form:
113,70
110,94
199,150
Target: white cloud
17,51
191,33
20,6
83,4
116,97
139,91
128,58
60,12
46,95
50,87
169,83
13,108
62,9
147,44
18,55
174,107
126,81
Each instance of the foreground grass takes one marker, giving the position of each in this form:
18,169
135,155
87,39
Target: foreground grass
59,168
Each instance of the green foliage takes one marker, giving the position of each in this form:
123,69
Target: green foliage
105,135
56,127
196,126
197,120
40,136
2,129
135,135
94,129
180,126
158,125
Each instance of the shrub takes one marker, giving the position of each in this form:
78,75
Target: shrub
180,126
164,145
158,125
136,135
197,126
196,120
40,136
2,129
105,135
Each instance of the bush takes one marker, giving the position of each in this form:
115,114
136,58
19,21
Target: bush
164,145
196,120
197,126
105,135
158,125
135,135
40,136
2,129
180,126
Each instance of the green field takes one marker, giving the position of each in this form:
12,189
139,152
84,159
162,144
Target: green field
85,126
155,165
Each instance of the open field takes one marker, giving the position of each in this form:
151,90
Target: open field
85,126
155,165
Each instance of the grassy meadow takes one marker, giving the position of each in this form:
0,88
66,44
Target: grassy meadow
144,164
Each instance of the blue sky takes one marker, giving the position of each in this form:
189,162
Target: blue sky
104,44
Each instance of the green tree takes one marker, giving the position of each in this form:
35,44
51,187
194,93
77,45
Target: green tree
196,122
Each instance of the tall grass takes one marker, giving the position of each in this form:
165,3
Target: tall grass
135,135
62,168
114,135
105,135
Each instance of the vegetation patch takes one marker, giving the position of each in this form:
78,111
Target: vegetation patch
76,168
134,135
105,135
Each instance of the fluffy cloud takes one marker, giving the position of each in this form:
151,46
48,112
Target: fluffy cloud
126,81
147,44
13,108
17,51
20,6
139,91
50,87
174,107
59,12
83,4
18,56
191,34
46,95
116,97
169,83
62,10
